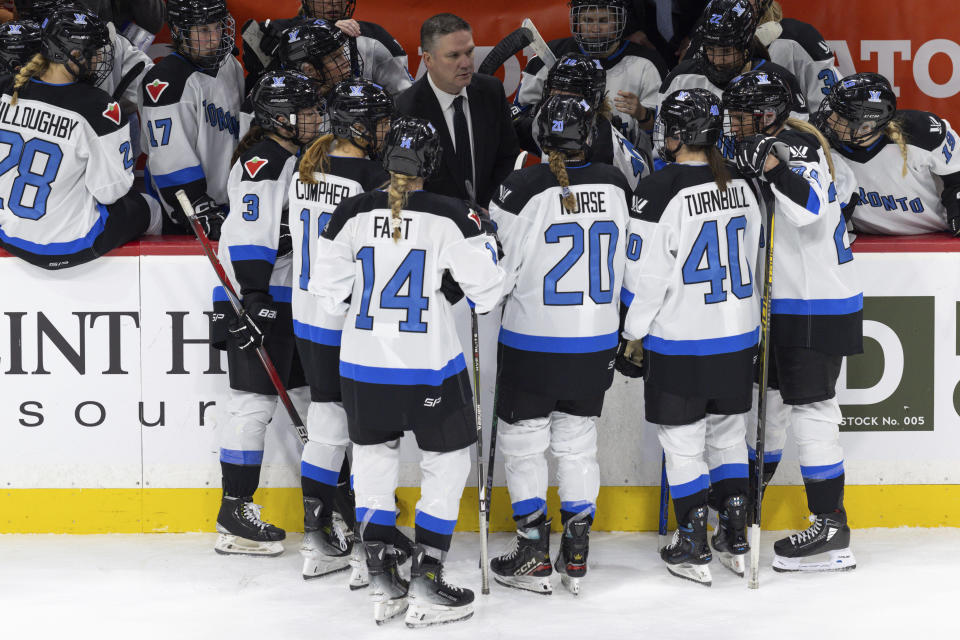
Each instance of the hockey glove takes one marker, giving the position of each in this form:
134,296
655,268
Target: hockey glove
953,214
259,312
210,215
752,154
285,243
629,360
450,288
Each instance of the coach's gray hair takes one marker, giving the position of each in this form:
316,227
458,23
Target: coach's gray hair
440,25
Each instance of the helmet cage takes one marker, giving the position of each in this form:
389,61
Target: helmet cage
286,94
75,29
597,25
857,108
185,16
760,102
324,47
691,116
355,109
726,40
329,9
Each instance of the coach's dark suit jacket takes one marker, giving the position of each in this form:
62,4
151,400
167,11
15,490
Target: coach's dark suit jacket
495,146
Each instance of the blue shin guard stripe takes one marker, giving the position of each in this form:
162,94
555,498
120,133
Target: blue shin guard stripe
235,456
528,506
768,456
689,488
324,476
377,516
728,471
824,472
578,507
432,523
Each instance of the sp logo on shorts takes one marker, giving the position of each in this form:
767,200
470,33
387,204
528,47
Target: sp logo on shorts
432,402
112,113
155,89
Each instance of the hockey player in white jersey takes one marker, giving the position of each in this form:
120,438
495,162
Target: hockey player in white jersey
336,166
563,228
19,42
381,260
255,251
633,72
320,51
190,106
68,170
816,310
579,75
902,160
694,235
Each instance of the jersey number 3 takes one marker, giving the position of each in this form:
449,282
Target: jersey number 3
23,156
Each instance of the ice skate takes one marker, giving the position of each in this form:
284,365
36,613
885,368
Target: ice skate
403,548
824,546
527,565
571,562
388,591
242,532
688,554
327,542
432,599
730,537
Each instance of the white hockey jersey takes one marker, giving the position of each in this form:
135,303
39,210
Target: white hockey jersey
125,58
401,363
67,154
189,128
563,276
800,49
894,204
689,281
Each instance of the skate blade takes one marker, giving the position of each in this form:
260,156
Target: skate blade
318,565
387,610
434,614
229,545
572,584
733,562
526,583
839,560
699,573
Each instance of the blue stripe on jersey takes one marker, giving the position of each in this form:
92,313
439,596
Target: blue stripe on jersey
825,472
377,516
706,347
321,475
797,307
626,296
316,334
386,375
177,178
279,294
61,248
689,488
729,471
550,344
432,523
235,456
768,456
578,507
528,506
252,252
813,202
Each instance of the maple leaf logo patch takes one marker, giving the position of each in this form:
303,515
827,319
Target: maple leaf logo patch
476,218
112,112
156,88
254,165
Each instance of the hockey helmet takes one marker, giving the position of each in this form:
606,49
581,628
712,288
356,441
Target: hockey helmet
756,102
858,106
287,94
202,30
36,10
356,109
79,40
332,10
597,25
580,75
726,39
412,148
19,41
692,116
565,123
322,46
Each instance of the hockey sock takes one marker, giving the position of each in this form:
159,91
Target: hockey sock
566,516
240,480
326,493
824,496
377,525
720,490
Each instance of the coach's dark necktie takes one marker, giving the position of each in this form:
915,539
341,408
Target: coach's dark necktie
462,140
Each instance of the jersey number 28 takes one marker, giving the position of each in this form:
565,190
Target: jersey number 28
23,156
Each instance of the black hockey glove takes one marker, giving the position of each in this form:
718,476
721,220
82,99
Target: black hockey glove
285,243
210,215
259,312
629,360
450,288
752,154
953,213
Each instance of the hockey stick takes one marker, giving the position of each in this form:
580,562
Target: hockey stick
539,45
754,581
238,309
664,503
127,79
481,487
510,46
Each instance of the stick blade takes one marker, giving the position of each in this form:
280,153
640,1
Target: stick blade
539,45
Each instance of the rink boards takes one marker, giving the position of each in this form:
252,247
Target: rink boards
110,399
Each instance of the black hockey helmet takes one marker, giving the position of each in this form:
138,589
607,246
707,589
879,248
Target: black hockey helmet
79,40
412,147
332,10
320,44
857,107
355,109
756,102
19,41
36,10
692,116
579,75
597,25
202,30
726,34
287,94
565,123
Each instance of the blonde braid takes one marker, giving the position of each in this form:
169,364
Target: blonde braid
397,199
37,66
315,157
559,170
774,13
806,127
894,131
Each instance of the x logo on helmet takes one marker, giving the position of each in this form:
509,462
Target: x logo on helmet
15,29
739,9
874,96
294,35
356,91
79,18
278,81
683,95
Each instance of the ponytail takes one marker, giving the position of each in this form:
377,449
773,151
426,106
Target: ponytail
806,127
718,166
559,170
774,13
254,135
315,157
894,131
397,199
37,66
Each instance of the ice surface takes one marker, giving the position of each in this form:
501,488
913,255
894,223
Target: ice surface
174,586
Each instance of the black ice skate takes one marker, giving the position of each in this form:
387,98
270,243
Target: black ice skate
327,542
571,562
824,546
527,565
432,599
730,538
688,554
388,591
403,548
243,532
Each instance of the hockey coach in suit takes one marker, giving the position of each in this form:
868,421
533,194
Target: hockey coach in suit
468,109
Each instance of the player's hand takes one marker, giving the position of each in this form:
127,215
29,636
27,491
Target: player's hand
450,288
210,215
259,312
758,154
629,103
350,27
629,360
953,214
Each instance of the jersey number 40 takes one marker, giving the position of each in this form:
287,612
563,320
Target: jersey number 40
706,249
